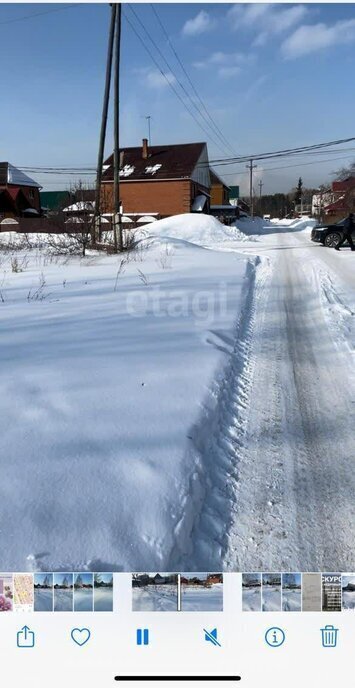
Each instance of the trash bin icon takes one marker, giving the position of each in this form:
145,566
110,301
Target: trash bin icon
329,636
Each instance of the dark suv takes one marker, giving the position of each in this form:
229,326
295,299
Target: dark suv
329,235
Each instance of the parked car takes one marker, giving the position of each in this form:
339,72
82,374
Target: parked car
329,235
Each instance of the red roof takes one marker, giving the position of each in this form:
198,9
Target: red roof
343,185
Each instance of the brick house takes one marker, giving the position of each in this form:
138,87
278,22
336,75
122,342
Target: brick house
167,180
19,194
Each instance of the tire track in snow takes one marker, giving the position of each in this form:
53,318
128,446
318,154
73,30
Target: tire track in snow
218,442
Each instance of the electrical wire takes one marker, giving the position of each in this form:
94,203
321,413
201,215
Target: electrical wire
171,70
213,123
38,14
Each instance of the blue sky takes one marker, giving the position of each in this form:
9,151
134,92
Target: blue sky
271,76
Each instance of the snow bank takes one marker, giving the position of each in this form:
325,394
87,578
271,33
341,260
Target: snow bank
197,228
107,373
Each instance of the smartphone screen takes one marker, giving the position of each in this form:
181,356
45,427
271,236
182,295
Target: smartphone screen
177,300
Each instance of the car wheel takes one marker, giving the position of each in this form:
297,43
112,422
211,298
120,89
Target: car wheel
332,240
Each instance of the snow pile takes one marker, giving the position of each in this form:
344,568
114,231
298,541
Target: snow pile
303,223
196,228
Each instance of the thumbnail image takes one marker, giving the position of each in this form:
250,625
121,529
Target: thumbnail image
103,592
23,592
311,592
6,592
43,592
201,592
154,592
63,592
348,591
83,592
271,592
291,592
251,592
331,592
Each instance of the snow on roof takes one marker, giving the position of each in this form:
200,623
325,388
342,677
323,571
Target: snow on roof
152,169
126,171
15,176
79,206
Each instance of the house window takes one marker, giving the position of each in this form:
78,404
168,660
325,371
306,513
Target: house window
31,194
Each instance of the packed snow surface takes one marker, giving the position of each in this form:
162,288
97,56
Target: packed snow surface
271,598
200,599
83,600
63,600
43,600
251,601
291,600
155,598
103,600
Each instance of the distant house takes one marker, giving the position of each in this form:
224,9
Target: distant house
219,190
336,202
54,201
164,180
19,194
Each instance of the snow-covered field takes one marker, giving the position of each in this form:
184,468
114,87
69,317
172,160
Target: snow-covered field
111,372
155,598
251,600
83,600
291,600
201,599
103,600
63,600
43,600
271,598
191,409
348,600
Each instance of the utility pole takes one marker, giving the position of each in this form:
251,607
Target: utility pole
116,155
148,118
251,167
261,184
100,158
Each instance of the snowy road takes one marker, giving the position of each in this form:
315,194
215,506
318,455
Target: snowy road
295,485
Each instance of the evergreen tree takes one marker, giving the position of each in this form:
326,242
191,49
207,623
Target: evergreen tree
299,192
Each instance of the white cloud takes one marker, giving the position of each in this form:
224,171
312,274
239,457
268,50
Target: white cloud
311,38
266,19
227,64
199,24
226,72
155,79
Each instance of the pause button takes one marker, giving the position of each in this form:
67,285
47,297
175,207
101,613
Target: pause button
142,636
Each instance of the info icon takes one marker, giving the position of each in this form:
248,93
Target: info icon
275,636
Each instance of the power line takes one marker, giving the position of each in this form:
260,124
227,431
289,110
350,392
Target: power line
38,14
213,123
174,75
279,153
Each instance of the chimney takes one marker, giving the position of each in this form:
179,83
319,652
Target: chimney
145,149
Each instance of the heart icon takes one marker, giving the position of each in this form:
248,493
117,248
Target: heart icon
80,635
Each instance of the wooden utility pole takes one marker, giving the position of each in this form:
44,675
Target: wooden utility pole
251,167
116,155
100,159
